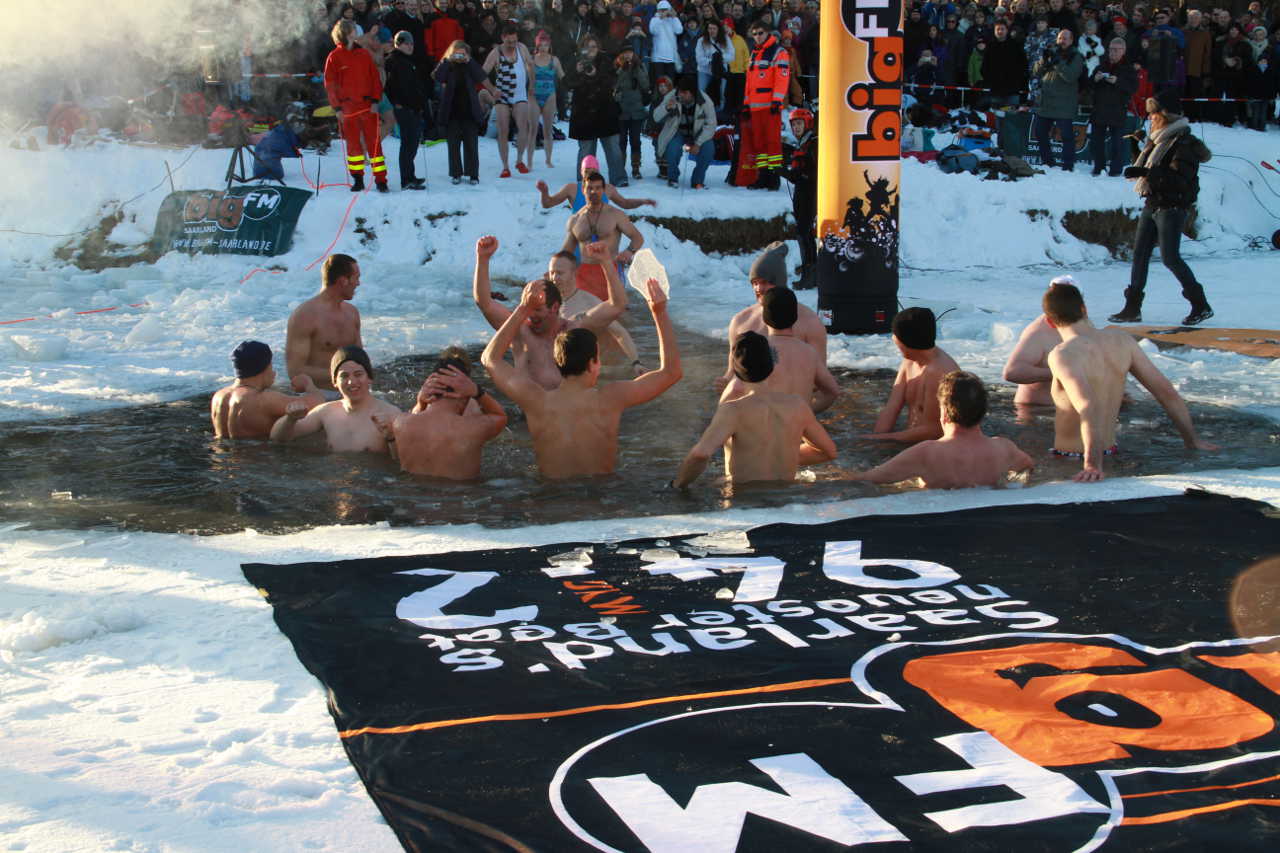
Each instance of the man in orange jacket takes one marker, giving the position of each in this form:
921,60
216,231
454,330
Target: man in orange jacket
355,87
760,133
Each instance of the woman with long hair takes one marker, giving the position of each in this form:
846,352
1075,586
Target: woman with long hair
713,52
547,72
460,112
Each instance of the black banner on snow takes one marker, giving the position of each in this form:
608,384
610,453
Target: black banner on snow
246,220
1013,678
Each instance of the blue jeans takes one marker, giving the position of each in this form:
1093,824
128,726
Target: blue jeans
612,157
1107,152
1041,127
1163,225
675,150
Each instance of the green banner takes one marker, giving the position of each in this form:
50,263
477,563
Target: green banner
249,220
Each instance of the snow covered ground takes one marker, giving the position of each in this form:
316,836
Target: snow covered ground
147,701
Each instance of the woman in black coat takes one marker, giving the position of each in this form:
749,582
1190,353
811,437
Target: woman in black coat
460,112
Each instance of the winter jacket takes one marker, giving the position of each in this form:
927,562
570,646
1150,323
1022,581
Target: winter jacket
442,32
768,76
632,92
1059,77
1199,53
1092,49
741,55
703,50
451,75
667,114
351,79
1175,180
1111,100
404,82
595,112
663,31
1004,67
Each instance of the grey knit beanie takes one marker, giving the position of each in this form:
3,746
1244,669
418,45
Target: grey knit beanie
771,264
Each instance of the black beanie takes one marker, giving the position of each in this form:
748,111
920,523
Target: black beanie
345,354
752,357
250,359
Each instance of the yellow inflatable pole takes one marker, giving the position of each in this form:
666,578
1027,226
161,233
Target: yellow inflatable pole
859,150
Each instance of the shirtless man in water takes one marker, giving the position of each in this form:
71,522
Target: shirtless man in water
324,322
599,223
617,345
248,407
569,192
916,387
351,425
766,434
769,270
963,457
1028,364
532,346
440,437
1089,368
796,369
575,426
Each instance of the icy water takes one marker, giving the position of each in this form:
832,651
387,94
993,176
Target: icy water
158,467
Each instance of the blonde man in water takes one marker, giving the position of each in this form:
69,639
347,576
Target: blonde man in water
1089,368
354,424
248,407
575,425
963,457
766,434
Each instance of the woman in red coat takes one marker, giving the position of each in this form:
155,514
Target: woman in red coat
355,87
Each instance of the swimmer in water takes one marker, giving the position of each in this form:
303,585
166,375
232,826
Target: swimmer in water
916,386
598,222
1089,369
1028,364
532,346
963,457
766,434
796,369
325,322
442,437
354,424
769,270
575,304
575,426
571,191
248,407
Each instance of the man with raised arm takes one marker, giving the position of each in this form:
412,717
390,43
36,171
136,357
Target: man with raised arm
354,424
796,369
575,426
599,223
924,363
532,345
248,407
769,270
572,192
1089,368
325,322
963,457
441,437
616,345
766,434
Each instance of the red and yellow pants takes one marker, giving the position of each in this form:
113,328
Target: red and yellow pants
360,133
759,144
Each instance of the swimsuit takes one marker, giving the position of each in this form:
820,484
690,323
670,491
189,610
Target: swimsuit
513,84
544,82
1076,454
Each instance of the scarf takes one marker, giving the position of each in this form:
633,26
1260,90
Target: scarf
1157,148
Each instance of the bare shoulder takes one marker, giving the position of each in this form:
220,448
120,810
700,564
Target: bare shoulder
305,312
944,363
742,318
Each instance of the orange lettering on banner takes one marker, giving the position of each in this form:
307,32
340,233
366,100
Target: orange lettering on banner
1020,710
1263,666
886,61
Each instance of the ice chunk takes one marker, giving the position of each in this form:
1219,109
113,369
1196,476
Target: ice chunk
644,266
40,347
147,331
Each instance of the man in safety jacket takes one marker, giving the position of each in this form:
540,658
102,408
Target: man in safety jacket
760,134
355,87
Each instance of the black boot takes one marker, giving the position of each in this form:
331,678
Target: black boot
1132,311
357,183
1200,311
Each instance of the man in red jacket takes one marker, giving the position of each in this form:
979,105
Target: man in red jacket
354,87
768,81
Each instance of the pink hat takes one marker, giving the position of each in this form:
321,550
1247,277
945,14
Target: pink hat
590,162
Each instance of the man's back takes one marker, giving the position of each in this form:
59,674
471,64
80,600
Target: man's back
575,431
921,384
767,430
243,412
441,443
1101,358
964,461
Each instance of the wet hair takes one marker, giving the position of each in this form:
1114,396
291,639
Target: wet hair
916,328
963,398
575,349
1063,304
593,176
552,293
779,308
454,356
752,357
566,256
336,267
